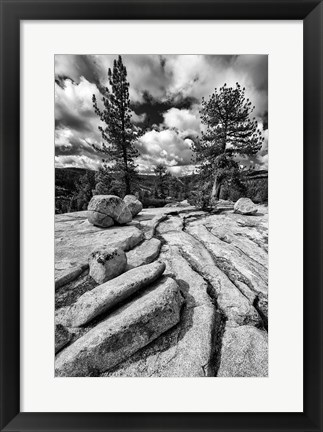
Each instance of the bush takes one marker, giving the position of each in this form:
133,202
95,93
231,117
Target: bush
153,202
257,191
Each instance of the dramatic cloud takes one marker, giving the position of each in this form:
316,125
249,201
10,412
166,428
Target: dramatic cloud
167,147
165,92
183,119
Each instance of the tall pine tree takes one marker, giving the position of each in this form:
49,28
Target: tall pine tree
161,180
118,133
230,131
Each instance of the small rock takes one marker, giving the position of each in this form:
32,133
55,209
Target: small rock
184,203
135,206
130,328
245,206
146,253
62,337
244,353
108,207
102,298
107,263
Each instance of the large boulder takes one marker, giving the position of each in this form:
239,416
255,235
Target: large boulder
135,206
130,328
245,206
103,208
107,263
102,298
244,353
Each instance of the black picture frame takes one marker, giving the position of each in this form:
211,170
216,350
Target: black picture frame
12,12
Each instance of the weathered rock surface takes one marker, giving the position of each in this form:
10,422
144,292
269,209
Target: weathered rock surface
245,206
186,350
75,239
238,309
220,264
102,298
135,206
109,206
145,253
244,353
123,333
233,262
62,337
107,263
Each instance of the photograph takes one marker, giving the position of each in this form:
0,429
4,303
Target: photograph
161,215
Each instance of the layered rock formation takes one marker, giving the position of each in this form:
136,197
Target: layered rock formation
191,302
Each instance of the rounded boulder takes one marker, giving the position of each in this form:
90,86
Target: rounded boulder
245,206
106,264
134,205
105,210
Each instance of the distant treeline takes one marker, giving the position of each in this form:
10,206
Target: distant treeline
74,187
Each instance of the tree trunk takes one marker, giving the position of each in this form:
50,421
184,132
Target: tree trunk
216,189
127,184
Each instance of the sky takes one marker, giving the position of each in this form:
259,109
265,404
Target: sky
165,94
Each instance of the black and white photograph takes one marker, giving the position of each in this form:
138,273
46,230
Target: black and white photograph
161,215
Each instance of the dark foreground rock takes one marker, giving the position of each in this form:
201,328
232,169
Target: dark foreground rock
123,333
102,298
69,274
62,337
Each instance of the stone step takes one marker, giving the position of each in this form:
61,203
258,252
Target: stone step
145,253
102,298
127,330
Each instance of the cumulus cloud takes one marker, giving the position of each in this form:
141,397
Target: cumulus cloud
165,147
165,90
183,119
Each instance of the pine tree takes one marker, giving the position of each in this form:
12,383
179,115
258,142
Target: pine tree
230,131
84,191
161,180
106,182
118,133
